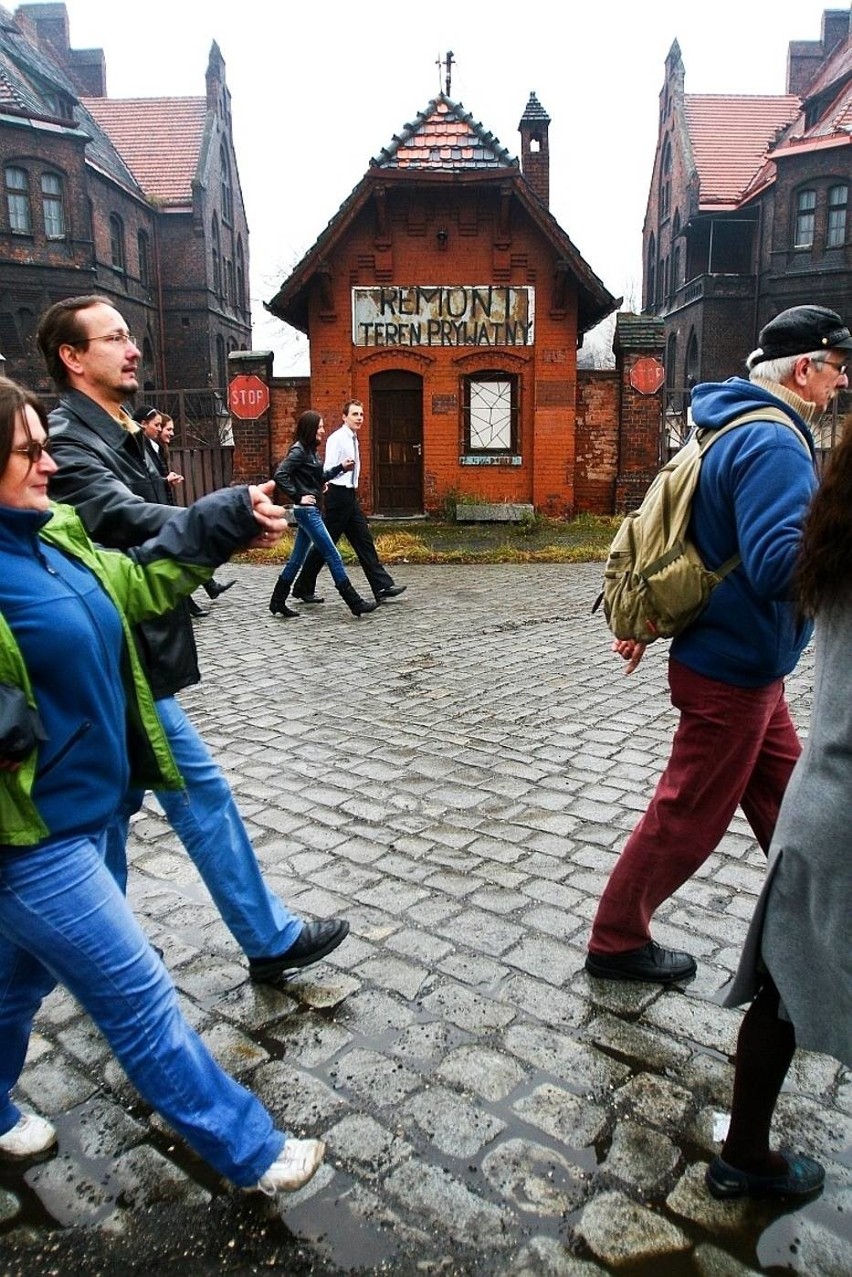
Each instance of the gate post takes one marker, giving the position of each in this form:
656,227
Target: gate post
640,415
253,462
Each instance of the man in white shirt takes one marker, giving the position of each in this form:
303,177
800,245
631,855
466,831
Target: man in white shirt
343,514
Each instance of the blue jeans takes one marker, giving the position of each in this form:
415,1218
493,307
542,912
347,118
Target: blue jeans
64,919
206,819
311,531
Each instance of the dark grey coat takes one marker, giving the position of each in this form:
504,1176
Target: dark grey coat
801,928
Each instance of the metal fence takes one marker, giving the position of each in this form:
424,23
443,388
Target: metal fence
676,424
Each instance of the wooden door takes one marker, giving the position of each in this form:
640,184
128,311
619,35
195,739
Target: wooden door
396,418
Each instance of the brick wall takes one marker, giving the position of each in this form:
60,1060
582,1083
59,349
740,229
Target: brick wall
596,462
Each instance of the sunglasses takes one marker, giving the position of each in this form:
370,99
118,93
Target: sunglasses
33,450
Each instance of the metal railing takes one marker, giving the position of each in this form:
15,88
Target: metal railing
676,423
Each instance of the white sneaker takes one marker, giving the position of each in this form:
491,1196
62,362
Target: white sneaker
297,1163
30,1135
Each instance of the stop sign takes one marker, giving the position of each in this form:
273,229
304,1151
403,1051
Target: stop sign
647,376
248,396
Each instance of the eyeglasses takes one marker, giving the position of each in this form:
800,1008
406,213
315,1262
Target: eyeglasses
840,369
33,450
117,339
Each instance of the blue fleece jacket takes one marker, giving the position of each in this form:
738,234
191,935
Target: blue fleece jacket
753,493
52,603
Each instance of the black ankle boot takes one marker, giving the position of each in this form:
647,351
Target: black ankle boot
278,602
357,606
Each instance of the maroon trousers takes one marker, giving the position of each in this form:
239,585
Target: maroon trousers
733,746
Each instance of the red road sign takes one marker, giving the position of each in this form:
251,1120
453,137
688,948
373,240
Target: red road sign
248,396
647,376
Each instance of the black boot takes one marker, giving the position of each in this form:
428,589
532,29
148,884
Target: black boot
278,602
357,606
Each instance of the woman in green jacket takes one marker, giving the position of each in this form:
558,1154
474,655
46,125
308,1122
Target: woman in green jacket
77,725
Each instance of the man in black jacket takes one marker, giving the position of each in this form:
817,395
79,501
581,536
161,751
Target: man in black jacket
106,471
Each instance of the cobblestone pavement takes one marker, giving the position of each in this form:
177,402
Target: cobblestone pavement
456,775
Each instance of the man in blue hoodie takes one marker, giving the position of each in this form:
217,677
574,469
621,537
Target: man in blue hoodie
735,744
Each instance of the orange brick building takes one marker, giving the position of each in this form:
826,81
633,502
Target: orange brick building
446,297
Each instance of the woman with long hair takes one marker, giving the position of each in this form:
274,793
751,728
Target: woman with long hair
796,963
301,476
78,726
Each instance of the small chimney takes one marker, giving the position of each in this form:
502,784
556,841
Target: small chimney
535,151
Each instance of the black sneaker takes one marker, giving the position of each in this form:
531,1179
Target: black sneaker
316,940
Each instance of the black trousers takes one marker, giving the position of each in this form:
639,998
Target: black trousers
344,517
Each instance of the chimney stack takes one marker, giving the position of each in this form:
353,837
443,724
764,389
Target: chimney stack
535,152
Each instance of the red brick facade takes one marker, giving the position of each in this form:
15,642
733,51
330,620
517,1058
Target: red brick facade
447,299
615,447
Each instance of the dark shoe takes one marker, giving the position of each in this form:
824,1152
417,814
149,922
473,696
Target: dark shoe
308,598
316,940
357,606
390,592
194,609
214,588
803,1177
278,602
651,964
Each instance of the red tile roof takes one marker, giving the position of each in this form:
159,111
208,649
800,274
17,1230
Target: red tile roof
730,136
159,139
445,137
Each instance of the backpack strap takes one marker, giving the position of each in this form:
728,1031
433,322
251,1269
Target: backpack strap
708,435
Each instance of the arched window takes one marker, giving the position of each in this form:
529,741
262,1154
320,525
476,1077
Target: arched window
225,177
242,300
838,201
677,278
18,200
671,361
666,180
217,257
116,242
692,360
229,282
144,248
52,207
805,219
651,274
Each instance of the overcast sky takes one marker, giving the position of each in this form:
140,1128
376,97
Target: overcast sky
319,88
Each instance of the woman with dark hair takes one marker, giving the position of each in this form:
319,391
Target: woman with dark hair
78,725
301,476
796,963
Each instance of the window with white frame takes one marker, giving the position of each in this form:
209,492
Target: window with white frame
52,207
805,219
838,201
18,200
491,412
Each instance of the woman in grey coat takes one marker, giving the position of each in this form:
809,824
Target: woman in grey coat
796,965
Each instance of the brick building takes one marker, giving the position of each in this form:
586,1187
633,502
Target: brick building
138,200
748,210
445,295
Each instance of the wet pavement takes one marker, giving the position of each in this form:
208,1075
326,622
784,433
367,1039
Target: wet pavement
455,774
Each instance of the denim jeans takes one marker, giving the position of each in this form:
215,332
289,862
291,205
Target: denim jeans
311,530
208,823
64,919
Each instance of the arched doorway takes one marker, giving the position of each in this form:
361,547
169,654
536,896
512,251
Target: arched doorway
396,417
